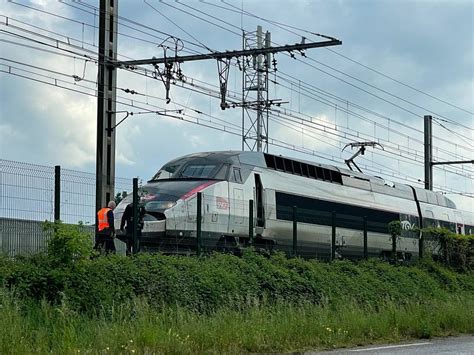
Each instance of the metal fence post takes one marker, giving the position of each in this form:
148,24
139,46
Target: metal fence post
57,193
251,222
420,246
295,230
135,215
198,223
333,238
366,254
394,247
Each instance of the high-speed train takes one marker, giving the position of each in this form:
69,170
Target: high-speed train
322,194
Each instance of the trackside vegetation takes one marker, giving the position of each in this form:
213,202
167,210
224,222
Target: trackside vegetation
71,301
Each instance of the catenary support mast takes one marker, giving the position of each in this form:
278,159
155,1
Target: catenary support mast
106,95
106,87
429,163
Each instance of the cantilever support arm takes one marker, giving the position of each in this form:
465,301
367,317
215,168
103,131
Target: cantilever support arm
452,162
229,54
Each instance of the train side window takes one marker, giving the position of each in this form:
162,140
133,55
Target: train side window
330,174
237,175
305,169
326,174
336,177
279,163
297,166
447,223
270,160
428,220
432,198
288,165
319,173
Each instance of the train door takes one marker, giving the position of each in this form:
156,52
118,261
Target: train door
259,202
237,203
238,206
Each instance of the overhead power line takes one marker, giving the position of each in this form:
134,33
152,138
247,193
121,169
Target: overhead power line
200,122
339,71
83,59
286,27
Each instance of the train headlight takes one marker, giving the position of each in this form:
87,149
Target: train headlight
170,204
159,206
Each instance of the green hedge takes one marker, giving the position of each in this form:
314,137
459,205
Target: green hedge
455,250
204,284
91,283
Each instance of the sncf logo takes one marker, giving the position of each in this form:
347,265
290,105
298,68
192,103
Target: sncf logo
406,225
222,203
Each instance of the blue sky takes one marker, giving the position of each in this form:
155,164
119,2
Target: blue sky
425,44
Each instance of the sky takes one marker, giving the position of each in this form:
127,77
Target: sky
399,61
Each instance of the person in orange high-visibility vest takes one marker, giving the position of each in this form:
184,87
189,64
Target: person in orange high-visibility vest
105,233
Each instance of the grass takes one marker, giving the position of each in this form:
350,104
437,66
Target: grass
136,327
66,302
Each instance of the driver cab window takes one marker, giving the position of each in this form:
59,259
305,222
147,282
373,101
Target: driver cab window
237,175
166,172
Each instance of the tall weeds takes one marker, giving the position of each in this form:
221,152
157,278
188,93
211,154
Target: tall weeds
136,327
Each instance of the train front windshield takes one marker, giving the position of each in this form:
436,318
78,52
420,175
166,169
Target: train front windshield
192,168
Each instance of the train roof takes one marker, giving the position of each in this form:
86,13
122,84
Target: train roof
342,176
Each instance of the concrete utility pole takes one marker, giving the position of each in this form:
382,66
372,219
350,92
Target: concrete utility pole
106,95
429,163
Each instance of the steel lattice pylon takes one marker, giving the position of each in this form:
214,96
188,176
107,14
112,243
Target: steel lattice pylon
255,92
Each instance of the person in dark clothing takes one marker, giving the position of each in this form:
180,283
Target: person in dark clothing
105,233
127,224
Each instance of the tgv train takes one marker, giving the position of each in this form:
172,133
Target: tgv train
322,194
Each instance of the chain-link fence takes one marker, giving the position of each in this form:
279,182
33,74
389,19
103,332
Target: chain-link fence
27,195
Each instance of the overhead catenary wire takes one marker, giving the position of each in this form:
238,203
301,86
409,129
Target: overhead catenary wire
354,114
381,153
274,142
310,87
132,21
206,14
175,24
341,72
95,27
286,27
464,138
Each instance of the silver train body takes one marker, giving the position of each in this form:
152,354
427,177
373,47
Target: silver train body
228,180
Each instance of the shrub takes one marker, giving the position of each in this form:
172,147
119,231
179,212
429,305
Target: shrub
455,250
220,280
68,243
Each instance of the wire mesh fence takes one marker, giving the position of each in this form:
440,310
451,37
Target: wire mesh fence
230,225
27,195
217,223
